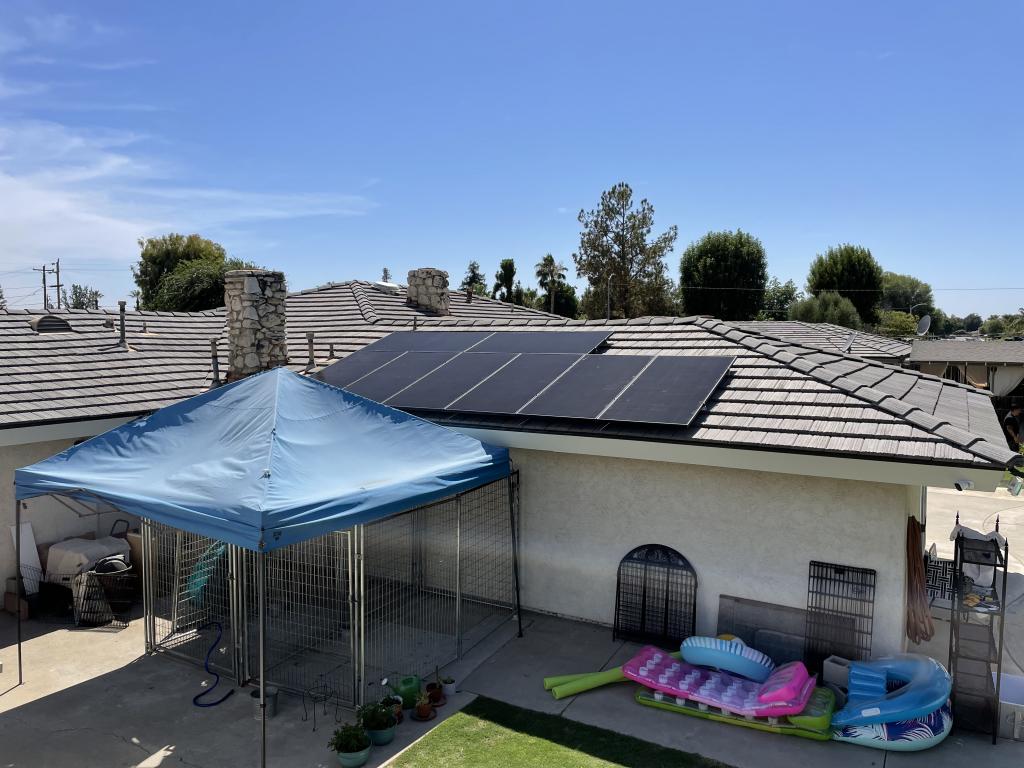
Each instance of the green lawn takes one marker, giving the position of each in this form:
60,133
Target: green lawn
488,734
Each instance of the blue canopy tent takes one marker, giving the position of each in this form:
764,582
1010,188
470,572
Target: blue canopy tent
265,462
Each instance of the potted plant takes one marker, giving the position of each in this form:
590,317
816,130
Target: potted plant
434,689
396,706
352,745
424,709
448,686
378,718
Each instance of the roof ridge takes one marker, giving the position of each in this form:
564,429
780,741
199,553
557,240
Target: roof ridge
927,421
366,308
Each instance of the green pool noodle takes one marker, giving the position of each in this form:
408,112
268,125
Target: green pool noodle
593,680
551,682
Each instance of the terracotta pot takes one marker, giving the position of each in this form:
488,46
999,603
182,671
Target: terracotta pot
423,710
434,692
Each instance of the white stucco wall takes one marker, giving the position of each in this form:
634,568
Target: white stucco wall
747,534
51,521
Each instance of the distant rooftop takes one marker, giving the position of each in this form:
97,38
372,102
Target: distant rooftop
968,351
831,338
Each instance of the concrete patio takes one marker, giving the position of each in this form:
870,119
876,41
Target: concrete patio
92,698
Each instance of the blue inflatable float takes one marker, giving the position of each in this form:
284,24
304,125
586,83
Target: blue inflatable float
902,735
729,655
893,689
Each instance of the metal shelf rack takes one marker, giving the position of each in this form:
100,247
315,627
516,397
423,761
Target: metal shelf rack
976,634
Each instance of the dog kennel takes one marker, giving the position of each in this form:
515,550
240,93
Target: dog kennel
327,540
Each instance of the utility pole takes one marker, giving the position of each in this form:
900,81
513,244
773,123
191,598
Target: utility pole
58,285
44,270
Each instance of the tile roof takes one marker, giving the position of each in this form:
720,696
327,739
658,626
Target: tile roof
830,337
779,396
967,351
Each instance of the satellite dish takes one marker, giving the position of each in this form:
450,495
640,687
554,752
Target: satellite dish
924,324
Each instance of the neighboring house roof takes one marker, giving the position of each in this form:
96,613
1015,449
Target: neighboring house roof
992,352
830,338
86,374
779,396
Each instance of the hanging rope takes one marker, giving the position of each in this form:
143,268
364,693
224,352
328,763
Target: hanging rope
919,615
216,677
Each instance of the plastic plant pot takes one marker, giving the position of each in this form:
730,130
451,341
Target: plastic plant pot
448,686
382,737
354,759
434,692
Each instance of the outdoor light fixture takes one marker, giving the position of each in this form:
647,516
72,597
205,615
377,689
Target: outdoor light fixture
1015,485
964,485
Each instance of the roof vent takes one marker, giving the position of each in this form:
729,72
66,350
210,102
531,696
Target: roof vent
383,287
50,324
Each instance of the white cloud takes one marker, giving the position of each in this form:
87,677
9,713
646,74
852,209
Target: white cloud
113,66
11,88
10,42
52,28
89,195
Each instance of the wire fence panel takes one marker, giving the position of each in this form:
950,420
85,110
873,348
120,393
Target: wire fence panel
403,595
190,591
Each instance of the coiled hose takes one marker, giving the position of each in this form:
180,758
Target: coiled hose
206,666
919,615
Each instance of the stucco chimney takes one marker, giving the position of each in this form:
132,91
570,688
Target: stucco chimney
428,289
255,320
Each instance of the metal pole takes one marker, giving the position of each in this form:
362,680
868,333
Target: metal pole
21,580
514,478
458,577
262,580
361,598
147,606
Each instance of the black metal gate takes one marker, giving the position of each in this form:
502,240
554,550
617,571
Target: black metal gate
655,597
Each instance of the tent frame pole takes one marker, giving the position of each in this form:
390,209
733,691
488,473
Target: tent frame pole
458,576
513,492
21,581
261,566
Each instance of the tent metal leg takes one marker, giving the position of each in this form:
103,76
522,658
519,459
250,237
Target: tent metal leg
261,577
458,577
21,581
360,692
513,481
147,576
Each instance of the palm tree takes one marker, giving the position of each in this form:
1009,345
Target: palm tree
550,275
504,280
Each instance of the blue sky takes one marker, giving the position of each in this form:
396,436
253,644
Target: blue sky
331,139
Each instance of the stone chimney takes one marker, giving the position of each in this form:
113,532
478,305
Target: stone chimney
428,289
255,319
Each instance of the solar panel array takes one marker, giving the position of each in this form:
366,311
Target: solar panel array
530,373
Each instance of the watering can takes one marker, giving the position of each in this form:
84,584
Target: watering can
408,688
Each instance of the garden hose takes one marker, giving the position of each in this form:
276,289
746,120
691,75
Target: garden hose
206,666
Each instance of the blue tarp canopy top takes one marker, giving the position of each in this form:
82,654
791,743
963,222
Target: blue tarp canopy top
270,460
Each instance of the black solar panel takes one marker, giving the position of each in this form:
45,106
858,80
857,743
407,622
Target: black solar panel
588,387
670,390
429,341
355,366
513,386
398,374
543,341
450,381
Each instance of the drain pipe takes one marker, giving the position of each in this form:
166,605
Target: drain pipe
312,362
331,352
123,341
215,363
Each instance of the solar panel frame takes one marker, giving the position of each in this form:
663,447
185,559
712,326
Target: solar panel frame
644,400
543,342
430,341
450,381
588,387
356,366
392,378
510,388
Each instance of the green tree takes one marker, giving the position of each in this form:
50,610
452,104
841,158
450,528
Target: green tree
195,285
385,275
504,281
524,297
566,303
826,307
972,322
892,322
81,297
778,298
901,292
160,255
550,275
724,275
852,272
995,325
3,301
615,244
474,279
